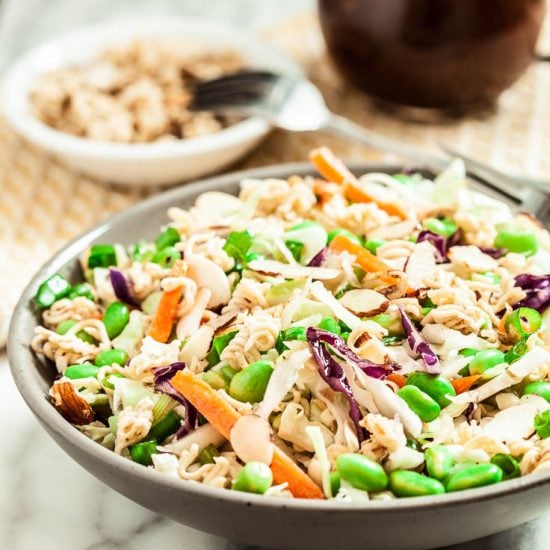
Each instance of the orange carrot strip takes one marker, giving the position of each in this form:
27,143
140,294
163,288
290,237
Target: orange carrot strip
330,166
333,169
369,262
161,325
464,384
356,194
207,401
223,417
398,379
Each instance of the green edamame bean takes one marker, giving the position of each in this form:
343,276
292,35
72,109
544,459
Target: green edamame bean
439,461
362,472
228,373
250,384
405,483
486,359
508,464
255,477
420,403
86,370
65,326
335,482
521,241
111,356
435,385
330,325
477,475
116,317
538,388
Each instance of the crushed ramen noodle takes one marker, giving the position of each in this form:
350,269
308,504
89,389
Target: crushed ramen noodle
318,337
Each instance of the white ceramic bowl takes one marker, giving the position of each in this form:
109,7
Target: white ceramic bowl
162,163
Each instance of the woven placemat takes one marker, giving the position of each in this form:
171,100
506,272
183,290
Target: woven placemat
43,204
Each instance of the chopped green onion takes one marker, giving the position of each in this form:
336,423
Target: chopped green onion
81,289
218,345
143,251
517,351
372,245
206,456
542,424
296,248
165,427
166,257
142,452
238,243
169,237
292,333
522,322
51,290
107,381
102,255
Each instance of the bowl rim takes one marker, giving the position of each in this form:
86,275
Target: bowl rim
24,71
20,356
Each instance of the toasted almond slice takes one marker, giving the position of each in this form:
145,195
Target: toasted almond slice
73,407
365,302
251,439
272,267
206,273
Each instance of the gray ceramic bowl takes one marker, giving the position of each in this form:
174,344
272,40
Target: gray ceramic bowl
424,522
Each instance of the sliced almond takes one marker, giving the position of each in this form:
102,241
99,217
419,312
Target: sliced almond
206,273
365,302
272,267
421,265
74,408
250,438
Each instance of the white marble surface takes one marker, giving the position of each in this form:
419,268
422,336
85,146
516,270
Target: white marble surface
49,502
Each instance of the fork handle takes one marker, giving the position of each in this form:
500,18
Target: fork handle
344,127
519,190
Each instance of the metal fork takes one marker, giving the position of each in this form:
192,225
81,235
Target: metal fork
293,103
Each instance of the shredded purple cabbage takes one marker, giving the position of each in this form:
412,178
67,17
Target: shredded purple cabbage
495,253
123,288
163,376
333,374
472,407
440,243
537,288
418,345
332,371
319,259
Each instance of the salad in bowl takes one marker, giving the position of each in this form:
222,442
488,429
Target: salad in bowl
325,337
